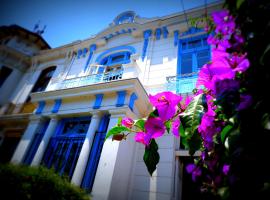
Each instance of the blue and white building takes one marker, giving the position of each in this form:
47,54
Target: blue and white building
57,104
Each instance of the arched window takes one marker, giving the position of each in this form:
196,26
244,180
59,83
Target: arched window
43,79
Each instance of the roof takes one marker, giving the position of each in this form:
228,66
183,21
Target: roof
13,30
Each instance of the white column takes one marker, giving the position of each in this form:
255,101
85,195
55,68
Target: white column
85,151
44,142
26,139
105,170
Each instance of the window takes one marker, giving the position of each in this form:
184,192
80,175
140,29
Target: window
4,74
193,54
116,58
43,79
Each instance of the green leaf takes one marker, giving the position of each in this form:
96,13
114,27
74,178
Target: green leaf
191,117
140,124
151,156
154,113
190,120
168,125
116,130
225,132
239,3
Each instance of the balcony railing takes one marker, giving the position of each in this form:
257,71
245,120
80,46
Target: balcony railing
183,83
92,79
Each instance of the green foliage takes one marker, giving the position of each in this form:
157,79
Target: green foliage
168,125
151,156
190,120
20,182
224,132
116,130
140,124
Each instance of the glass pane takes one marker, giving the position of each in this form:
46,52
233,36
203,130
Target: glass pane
118,58
186,63
194,44
203,57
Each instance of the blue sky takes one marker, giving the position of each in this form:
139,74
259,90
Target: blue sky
70,20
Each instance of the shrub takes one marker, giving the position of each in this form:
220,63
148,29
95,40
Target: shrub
22,182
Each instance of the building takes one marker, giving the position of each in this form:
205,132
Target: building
57,104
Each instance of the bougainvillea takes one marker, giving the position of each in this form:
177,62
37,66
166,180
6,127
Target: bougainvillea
208,120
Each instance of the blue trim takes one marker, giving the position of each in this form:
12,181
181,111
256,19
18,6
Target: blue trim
165,32
192,30
158,33
133,98
146,35
92,48
85,50
79,53
112,50
121,95
108,60
57,105
98,101
125,17
93,160
176,35
40,108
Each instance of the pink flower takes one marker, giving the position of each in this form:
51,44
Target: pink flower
238,62
194,170
245,102
226,169
127,122
166,104
143,138
175,127
154,126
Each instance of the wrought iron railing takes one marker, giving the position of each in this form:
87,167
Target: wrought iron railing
183,83
92,79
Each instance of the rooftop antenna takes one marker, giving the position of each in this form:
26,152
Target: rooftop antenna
36,26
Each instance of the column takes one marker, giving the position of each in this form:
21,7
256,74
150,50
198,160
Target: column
85,151
26,139
45,140
105,171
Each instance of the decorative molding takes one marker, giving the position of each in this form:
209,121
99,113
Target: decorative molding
133,98
158,33
98,101
84,52
79,53
57,105
92,48
121,95
146,35
41,105
176,35
165,32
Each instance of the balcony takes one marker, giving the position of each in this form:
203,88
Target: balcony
183,83
92,79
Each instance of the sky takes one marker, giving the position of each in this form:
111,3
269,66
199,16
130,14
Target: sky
70,20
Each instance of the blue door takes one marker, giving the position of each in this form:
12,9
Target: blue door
64,147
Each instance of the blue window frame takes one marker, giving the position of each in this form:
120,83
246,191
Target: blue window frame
193,53
116,58
35,144
64,147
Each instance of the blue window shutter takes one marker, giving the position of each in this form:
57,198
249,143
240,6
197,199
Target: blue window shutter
133,98
121,95
56,106
93,160
98,101
35,144
40,108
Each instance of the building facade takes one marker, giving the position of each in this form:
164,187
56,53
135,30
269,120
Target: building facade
57,104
